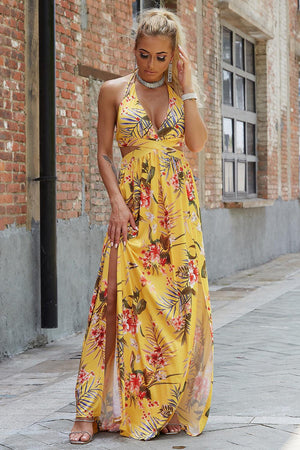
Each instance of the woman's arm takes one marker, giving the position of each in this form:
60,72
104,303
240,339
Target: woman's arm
195,129
120,214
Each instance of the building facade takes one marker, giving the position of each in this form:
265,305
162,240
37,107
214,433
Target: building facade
246,60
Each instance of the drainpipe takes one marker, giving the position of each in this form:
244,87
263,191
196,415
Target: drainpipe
47,177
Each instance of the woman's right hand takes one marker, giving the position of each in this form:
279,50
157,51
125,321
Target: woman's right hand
118,223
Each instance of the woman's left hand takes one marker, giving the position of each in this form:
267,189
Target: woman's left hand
184,71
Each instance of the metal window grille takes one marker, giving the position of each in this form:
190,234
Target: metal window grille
239,149
139,6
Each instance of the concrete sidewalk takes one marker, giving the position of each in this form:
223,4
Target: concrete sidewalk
256,401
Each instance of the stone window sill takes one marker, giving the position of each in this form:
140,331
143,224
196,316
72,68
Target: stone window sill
249,203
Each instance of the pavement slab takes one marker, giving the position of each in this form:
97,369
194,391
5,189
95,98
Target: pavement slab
256,398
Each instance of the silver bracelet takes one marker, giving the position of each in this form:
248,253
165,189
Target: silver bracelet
189,96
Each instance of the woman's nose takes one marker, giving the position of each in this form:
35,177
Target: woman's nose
150,62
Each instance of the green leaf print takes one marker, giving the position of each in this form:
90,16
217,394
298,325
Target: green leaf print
132,359
165,242
164,131
150,174
145,166
135,295
141,306
188,290
125,303
189,254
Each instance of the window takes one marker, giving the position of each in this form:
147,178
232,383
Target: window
238,116
140,5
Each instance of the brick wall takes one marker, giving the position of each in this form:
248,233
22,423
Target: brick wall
95,35
213,92
12,115
294,102
94,38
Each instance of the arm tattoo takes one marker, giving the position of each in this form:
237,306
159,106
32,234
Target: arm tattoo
112,165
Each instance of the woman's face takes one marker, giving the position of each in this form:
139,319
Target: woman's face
153,54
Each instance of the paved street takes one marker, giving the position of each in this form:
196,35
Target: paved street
256,401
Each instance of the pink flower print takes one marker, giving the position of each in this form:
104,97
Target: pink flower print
174,181
165,221
190,191
152,257
143,280
83,376
152,134
201,387
98,335
188,308
142,395
124,109
193,273
198,334
133,384
92,304
105,284
172,102
145,197
130,321
154,253
178,323
161,375
156,358
134,232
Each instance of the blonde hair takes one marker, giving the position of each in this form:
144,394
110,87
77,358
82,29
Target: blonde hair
161,22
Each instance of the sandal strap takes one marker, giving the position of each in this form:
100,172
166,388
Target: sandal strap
83,419
81,432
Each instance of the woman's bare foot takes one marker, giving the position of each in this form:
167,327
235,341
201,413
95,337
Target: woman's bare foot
173,427
82,431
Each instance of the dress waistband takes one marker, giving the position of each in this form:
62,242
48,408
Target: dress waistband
172,146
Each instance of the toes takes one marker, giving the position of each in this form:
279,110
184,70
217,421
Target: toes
74,436
84,437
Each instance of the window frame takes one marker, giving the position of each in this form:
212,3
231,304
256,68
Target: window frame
157,4
236,114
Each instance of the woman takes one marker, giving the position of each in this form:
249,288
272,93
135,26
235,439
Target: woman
146,364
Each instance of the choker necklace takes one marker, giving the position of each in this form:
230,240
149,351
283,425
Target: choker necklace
153,85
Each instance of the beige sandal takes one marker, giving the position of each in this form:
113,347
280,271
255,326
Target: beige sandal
83,432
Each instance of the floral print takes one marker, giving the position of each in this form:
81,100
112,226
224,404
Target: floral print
164,345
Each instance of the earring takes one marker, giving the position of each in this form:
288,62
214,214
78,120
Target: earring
170,68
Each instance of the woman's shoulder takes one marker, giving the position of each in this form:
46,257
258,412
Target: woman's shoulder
115,87
112,91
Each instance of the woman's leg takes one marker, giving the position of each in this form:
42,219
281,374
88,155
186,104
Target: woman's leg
111,308
110,338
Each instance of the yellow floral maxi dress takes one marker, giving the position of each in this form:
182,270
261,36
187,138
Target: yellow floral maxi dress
164,350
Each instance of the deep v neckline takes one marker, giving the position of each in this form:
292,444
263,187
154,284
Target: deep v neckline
157,130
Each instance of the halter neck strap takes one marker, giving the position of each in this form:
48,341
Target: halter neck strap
129,84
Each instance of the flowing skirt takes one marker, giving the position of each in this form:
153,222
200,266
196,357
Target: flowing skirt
163,361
